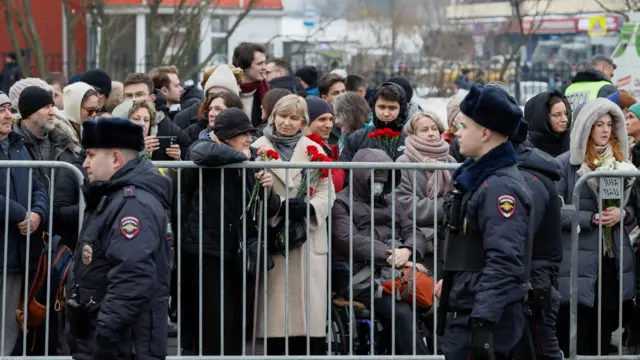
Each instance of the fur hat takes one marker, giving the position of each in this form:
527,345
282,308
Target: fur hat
223,77
112,133
16,89
520,135
589,114
493,108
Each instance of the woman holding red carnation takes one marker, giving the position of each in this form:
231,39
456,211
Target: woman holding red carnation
284,134
425,143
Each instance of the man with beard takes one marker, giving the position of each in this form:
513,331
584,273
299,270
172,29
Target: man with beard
389,113
42,139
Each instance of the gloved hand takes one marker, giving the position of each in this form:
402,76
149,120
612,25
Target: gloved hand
481,341
107,344
297,209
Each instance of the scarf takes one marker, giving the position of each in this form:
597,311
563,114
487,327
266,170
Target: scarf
284,145
261,86
605,153
420,151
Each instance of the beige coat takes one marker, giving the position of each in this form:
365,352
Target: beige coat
317,257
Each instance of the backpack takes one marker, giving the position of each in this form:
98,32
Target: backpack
61,257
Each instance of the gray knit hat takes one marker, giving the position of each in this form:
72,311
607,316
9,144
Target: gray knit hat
16,89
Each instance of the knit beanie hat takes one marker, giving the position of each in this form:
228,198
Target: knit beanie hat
308,74
453,109
4,99
99,79
493,108
635,109
32,99
317,107
405,84
72,99
623,99
17,88
222,77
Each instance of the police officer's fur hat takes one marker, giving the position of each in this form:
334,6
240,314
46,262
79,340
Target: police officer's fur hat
492,108
112,133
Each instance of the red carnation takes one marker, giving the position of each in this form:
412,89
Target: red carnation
311,150
316,138
311,191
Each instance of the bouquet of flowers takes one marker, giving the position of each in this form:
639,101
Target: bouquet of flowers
316,174
254,201
387,140
611,165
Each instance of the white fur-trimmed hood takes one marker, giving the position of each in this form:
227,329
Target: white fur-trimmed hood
588,115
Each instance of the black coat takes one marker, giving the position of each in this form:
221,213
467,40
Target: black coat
290,83
541,134
187,116
66,203
10,75
191,95
540,171
123,264
208,153
194,130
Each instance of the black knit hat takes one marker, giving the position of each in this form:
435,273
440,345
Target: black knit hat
317,107
308,74
493,108
32,99
112,133
99,79
404,83
232,122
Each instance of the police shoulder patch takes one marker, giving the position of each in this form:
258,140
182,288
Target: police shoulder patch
506,205
129,226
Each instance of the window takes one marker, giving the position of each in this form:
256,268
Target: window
219,24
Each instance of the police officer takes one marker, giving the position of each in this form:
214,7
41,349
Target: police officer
483,295
540,171
118,285
592,82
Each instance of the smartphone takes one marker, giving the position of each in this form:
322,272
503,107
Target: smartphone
165,143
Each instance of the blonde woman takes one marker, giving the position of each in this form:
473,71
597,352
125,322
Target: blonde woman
284,134
425,143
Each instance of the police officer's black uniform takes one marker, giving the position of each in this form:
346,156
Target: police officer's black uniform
483,296
118,285
540,172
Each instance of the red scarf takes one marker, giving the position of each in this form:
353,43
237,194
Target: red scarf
261,86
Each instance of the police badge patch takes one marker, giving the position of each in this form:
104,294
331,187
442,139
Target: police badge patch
87,254
129,227
506,205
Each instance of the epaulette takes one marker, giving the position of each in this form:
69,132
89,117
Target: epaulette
129,191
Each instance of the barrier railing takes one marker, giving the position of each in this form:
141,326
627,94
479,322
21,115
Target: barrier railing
611,186
354,327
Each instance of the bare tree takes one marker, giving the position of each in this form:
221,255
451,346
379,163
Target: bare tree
73,17
21,15
519,10
623,9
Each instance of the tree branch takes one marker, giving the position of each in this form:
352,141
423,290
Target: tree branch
14,40
607,9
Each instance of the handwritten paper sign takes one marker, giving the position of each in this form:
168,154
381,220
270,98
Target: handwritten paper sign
610,188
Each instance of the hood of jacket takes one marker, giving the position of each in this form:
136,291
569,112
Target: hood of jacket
536,113
539,161
72,99
588,115
288,83
589,75
362,177
190,93
139,173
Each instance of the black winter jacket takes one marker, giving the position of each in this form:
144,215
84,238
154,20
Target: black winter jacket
66,203
210,154
166,127
187,116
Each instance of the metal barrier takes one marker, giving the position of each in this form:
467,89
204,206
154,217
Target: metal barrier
53,165
611,187
350,322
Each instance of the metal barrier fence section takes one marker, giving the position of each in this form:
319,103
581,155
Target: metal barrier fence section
296,282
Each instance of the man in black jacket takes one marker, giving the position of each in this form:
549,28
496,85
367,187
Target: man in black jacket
540,171
389,113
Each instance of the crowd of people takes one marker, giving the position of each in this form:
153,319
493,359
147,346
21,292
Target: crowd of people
258,109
